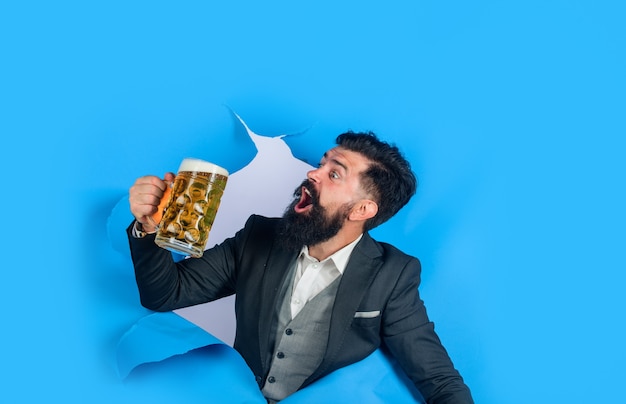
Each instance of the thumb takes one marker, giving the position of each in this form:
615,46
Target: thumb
169,177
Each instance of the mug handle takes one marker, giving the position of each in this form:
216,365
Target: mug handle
155,219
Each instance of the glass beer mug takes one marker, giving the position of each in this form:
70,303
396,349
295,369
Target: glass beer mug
191,206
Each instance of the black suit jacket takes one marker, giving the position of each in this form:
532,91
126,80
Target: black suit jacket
251,265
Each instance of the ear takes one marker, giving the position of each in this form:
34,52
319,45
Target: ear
363,210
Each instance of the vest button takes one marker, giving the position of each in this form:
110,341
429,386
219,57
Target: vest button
271,379
288,331
280,355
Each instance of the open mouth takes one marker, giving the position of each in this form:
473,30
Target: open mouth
306,201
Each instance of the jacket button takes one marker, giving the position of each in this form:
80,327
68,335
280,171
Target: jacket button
280,355
271,379
288,331
258,379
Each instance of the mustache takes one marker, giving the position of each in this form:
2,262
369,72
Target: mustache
312,191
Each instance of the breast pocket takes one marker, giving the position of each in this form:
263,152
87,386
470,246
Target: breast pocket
367,319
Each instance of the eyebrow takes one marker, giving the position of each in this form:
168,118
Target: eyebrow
340,164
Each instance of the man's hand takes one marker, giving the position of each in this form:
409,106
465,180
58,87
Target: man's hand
145,196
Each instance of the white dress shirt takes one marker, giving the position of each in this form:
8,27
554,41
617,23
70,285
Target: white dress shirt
313,276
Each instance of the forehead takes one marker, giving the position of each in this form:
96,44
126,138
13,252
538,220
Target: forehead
351,161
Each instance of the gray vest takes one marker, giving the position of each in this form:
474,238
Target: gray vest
300,343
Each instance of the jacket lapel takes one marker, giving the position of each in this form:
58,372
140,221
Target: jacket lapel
278,265
358,275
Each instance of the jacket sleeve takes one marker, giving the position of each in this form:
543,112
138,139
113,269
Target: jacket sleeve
411,338
166,285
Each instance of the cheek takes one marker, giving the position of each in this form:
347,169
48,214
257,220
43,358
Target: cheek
334,204
330,199
335,195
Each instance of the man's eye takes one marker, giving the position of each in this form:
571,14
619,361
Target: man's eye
334,175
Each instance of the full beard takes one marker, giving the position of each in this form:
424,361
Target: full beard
312,227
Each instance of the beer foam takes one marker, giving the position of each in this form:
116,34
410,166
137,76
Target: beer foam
191,164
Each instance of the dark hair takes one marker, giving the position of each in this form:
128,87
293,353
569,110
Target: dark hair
389,178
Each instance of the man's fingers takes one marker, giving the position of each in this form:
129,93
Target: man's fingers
145,196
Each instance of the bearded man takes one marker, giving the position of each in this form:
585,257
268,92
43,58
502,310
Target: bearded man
314,292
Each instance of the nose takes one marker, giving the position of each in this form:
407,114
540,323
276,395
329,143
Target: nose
313,175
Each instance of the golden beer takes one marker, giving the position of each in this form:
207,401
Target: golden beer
192,206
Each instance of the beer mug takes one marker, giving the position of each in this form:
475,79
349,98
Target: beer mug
191,204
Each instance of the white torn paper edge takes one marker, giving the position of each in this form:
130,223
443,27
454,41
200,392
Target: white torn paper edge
265,187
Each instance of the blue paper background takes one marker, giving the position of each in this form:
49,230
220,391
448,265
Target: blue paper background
511,112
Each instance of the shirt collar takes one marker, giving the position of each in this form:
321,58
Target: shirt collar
339,258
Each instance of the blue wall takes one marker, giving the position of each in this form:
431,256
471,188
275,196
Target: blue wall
513,114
